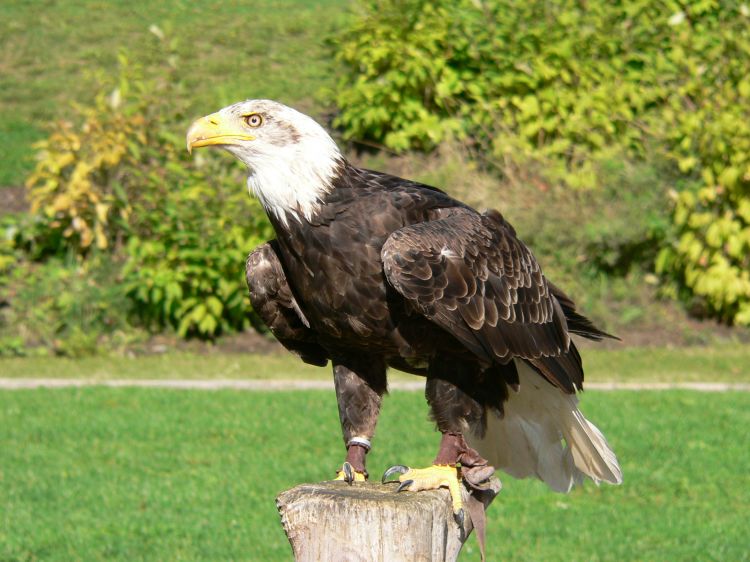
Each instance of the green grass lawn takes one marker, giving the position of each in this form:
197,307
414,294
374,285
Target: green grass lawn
50,54
718,363
139,474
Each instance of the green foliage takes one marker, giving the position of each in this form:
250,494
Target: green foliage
509,77
555,88
118,181
82,182
188,272
9,253
10,344
99,173
708,127
68,307
611,231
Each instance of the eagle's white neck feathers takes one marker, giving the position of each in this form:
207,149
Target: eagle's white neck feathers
294,180
292,162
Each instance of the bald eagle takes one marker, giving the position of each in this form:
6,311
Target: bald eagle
371,271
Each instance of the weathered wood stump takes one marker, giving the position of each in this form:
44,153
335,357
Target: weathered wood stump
365,522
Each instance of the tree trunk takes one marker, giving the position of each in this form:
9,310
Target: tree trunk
365,522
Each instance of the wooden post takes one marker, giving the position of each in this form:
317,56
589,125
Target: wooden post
366,522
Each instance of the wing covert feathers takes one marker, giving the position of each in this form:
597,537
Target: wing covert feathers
469,274
543,434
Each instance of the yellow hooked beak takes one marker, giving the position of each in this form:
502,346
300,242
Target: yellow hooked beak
215,129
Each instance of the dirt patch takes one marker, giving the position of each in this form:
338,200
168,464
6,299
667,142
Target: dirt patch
245,342
13,200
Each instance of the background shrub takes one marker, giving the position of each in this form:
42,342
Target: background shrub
116,182
67,307
610,134
186,270
555,90
520,80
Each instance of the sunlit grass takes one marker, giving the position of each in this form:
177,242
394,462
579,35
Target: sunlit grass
138,474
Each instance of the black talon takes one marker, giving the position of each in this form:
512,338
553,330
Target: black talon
404,485
348,473
460,518
399,468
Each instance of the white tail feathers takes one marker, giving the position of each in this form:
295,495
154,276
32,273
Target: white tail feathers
528,440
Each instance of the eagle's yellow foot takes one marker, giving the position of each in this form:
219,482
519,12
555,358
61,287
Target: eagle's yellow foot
349,475
432,478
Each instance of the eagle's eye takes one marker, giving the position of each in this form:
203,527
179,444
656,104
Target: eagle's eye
254,120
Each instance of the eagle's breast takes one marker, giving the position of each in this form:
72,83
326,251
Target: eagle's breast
334,266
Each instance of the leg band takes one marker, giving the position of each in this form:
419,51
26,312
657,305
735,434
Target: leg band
361,441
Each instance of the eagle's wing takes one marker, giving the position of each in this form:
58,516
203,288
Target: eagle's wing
471,275
274,302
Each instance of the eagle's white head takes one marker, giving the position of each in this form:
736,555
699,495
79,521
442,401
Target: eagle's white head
292,159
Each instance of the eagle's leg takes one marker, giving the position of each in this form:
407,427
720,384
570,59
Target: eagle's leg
360,386
454,412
